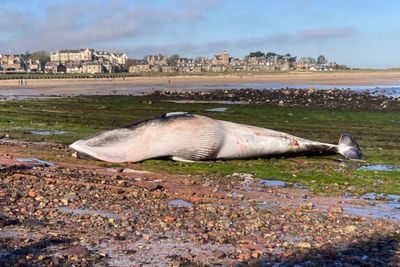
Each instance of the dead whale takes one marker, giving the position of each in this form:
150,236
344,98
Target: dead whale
189,137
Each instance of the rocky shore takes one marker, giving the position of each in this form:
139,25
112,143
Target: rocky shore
335,98
79,213
85,215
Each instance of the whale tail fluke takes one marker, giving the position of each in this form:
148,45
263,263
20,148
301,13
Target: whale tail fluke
349,148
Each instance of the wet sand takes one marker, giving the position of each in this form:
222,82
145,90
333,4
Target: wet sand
119,85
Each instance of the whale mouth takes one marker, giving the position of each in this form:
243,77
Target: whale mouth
80,150
82,155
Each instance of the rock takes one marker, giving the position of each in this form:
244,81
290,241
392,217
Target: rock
114,170
154,187
30,222
277,251
32,194
307,206
120,236
146,236
69,197
303,245
129,228
122,182
4,221
79,251
240,196
219,254
244,256
168,218
335,210
378,182
123,235
41,257
351,228
127,170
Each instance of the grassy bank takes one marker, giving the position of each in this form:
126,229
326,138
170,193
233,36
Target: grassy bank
377,133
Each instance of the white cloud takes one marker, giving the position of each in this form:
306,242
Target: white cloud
326,33
91,24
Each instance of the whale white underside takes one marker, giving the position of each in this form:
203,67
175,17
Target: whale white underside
189,137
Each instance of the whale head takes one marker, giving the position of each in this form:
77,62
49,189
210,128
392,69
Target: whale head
106,146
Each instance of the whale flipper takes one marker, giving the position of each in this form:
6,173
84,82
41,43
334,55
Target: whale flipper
348,147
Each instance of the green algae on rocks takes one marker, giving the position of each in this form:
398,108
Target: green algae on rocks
376,132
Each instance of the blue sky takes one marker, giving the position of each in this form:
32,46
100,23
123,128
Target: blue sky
358,33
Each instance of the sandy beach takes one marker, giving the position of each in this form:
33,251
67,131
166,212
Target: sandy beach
119,85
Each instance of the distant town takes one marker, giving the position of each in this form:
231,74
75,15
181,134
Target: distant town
89,61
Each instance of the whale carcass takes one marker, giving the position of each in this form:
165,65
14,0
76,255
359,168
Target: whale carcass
189,137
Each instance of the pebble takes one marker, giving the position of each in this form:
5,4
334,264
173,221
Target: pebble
79,251
32,194
30,222
335,98
219,254
216,230
351,228
335,210
307,206
168,218
304,245
244,256
6,221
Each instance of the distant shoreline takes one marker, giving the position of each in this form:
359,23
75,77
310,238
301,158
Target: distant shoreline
76,86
